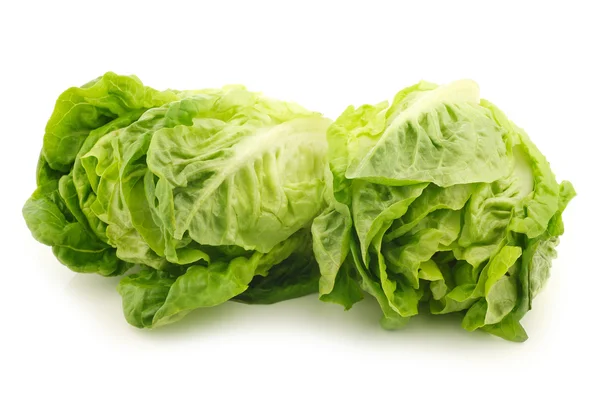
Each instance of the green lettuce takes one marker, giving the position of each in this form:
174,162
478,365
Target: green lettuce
438,201
434,203
209,194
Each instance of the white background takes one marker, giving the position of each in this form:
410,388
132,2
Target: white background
64,335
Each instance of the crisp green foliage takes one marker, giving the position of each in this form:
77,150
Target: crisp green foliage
211,192
438,200
434,202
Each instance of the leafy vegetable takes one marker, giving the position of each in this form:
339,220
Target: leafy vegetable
211,192
438,199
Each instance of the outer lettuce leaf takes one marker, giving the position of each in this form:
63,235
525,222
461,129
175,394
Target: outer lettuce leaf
391,318
153,298
296,276
78,111
332,239
545,251
402,297
55,219
375,206
534,213
431,139
257,187
57,213
331,242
